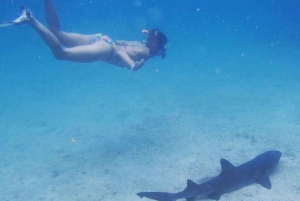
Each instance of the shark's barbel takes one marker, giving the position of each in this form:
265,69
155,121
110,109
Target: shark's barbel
230,179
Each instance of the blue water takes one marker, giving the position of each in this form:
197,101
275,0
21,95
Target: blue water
228,88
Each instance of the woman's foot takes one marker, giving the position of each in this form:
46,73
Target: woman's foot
25,16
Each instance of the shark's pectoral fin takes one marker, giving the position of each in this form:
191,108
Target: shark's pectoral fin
214,196
264,181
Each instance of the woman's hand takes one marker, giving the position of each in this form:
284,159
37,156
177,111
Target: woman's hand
137,65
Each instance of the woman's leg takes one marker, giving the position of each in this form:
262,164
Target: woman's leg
67,39
84,53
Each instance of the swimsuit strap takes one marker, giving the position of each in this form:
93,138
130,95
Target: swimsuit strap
97,37
124,44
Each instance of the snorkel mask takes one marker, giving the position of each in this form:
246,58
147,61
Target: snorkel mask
156,42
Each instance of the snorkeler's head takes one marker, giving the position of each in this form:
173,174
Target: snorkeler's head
157,42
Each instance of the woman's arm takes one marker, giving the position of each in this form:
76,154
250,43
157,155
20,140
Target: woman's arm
129,63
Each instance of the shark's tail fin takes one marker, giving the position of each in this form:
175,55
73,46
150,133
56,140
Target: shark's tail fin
159,196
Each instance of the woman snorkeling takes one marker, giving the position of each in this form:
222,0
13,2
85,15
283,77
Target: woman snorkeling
95,47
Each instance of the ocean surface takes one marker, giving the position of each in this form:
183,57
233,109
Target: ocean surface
228,88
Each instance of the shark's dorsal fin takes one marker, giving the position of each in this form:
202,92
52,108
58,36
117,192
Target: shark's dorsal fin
264,181
226,166
191,184
214,196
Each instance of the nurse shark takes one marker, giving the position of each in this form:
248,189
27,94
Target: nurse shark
230,179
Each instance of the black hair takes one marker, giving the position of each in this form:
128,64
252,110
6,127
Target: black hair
160,40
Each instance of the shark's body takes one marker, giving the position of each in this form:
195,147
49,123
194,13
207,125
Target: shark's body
231,178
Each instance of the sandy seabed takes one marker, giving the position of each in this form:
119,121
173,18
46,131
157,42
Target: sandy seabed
150,133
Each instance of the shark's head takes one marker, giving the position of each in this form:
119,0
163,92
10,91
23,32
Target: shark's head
271,158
